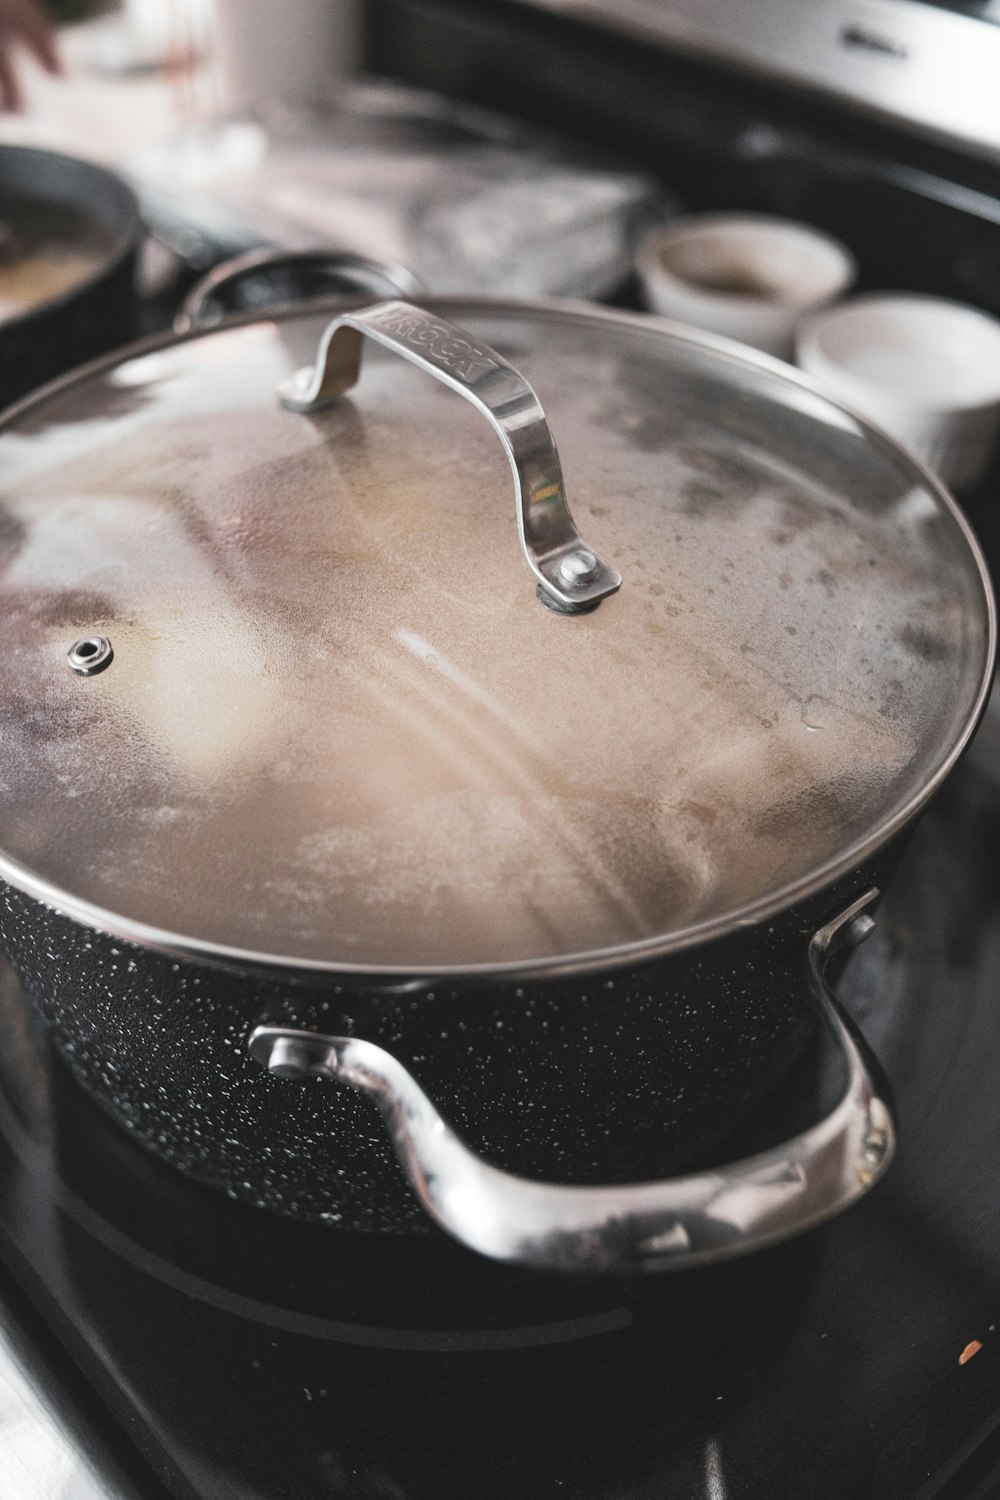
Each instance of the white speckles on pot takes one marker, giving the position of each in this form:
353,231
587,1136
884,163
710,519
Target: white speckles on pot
598,1085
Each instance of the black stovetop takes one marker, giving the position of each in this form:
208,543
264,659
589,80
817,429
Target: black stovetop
219,1352
248,1356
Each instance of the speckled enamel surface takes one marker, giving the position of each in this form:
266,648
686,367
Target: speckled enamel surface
621,1077
340,728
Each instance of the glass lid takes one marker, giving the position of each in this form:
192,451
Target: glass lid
280,682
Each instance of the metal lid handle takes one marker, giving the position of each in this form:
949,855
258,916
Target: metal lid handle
570,574
682,1221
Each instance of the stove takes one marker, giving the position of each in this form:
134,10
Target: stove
205,1349
159,1342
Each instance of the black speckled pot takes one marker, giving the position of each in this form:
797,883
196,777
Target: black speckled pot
629,1074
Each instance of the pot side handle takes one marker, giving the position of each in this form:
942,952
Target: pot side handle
684,1221
346,275
570,575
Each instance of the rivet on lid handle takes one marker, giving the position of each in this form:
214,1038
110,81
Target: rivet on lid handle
569,572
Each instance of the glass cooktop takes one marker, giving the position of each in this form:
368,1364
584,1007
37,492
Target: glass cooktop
236,1354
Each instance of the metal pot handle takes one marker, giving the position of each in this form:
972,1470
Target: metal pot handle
365,277
684,1221
571,577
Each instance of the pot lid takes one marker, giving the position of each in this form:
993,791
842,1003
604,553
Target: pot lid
338,727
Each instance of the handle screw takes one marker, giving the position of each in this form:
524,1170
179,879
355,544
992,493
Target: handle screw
290,1058
577,566
859,928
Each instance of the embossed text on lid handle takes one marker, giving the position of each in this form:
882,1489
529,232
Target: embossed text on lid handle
570,574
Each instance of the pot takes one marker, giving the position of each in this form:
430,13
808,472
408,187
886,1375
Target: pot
69,239
538,849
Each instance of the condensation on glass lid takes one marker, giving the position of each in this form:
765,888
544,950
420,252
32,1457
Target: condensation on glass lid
339,727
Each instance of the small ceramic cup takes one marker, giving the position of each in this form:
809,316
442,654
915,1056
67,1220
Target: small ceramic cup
748,276
925,369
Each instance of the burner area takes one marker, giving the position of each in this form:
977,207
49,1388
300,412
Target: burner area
181,1344
248,1355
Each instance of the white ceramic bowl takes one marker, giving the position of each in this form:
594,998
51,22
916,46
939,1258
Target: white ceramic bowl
925,369
748,276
